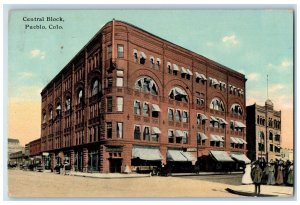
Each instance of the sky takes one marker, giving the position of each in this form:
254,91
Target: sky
256,43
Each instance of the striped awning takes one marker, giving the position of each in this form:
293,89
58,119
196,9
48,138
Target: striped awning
203,136
221,156
147,153
189,72
175,67
183,70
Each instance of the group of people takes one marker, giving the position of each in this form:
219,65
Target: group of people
269,173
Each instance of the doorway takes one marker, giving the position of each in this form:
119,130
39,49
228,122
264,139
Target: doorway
115,165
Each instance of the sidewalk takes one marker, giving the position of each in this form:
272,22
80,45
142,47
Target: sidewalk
108,175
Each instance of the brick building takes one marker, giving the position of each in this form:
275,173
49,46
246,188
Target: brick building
263,132
130,98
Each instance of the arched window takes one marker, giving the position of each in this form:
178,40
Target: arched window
95,87
178,94
217,104
236,109
68,103
147,85
80,96
44,117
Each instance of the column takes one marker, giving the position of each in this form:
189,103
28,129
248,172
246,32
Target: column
126,155
163,151
85,159
72,160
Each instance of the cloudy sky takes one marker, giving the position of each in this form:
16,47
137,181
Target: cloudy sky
254,42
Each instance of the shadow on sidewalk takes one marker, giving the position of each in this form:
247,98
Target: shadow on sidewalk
252,194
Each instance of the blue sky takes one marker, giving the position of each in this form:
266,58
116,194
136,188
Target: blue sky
254,42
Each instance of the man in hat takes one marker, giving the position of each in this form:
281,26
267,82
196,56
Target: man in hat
256,175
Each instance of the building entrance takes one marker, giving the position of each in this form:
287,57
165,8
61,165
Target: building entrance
115,165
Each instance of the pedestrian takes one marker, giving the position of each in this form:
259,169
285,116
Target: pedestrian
290,180
246,179
271,174
256,175
279,177
286,171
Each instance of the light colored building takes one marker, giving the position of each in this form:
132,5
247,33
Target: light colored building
13,146
287,154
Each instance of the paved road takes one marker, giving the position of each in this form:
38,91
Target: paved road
226,179
36,184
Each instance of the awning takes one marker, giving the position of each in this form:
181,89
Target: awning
58,107
278,146
189,156
169,64
239,124
215,81
151,57
135,51
156,130
175,67
201,76
158,59
203,136
189,72
179,91
239,141
143,55
221,156
146,153
240,157
203,117
221,138
155,108
214,138
212,118
179,133
233,140
183,70
222,121
176,155
245,142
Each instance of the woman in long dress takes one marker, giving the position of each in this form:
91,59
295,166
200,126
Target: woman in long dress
246,179
279,177
271,176
290,180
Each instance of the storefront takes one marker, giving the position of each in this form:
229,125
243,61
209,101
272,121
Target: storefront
240,160
221,161
180,161
78,161
145,158
93,160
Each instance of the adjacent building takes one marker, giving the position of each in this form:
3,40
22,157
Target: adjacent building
130,99
13,146
263,132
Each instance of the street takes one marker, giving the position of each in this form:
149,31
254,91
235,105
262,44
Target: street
39,184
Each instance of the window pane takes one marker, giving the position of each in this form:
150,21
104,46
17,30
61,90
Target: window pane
137,108
119,82
109,104
120,104
120,51
109,129
146,109
137,132
120,130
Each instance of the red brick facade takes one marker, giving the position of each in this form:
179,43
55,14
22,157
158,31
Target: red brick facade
80,122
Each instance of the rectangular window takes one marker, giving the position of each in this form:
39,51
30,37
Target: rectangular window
119,130
109,130
120,51
120,104
109,82
154,137
185,137
178,115
171,114
119,81
171,136
146,133
137,132
137,107
146,109
184,116
109,52
271,147
109,104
